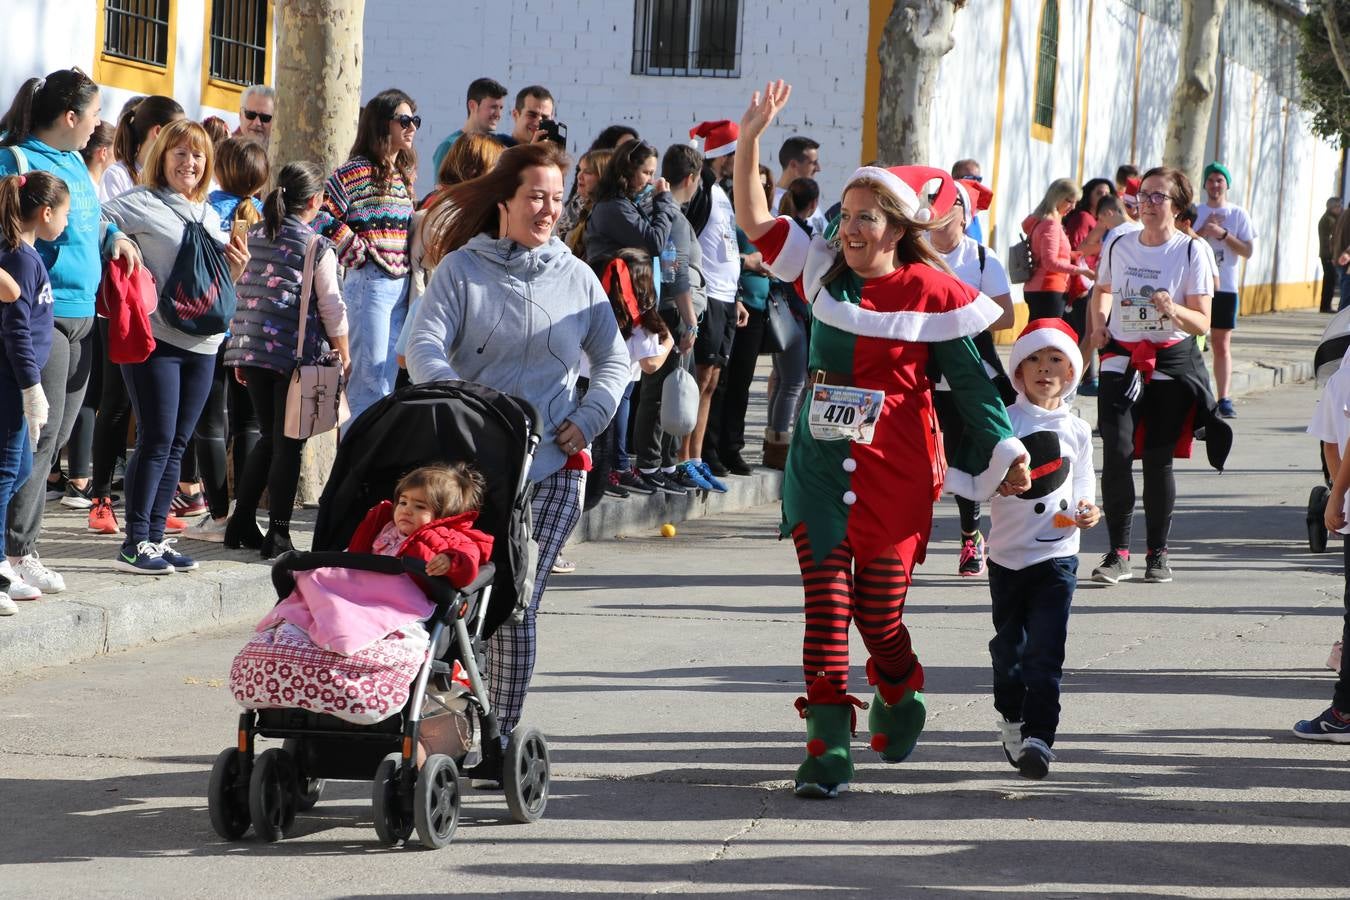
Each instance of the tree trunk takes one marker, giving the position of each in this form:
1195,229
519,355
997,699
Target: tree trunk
1339,50
918,34
319,49
1193,99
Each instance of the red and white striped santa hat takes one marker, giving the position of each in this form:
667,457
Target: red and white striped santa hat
719,138
912,186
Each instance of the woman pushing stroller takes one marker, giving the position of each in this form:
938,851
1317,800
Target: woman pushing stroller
511,308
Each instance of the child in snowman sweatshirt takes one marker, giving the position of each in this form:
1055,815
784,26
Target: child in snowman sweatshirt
1033,543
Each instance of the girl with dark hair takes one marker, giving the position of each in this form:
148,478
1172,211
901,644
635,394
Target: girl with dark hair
168,214
611,137
616,219
98,153
627,279
137,128
241,173
1152,299
32,206
510,307
858,498
49,122
261,347
367,211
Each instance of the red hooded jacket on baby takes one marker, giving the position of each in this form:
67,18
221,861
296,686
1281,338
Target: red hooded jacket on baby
455,536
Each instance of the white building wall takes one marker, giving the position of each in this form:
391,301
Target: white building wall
581,50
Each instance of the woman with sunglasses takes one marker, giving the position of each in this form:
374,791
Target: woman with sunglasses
367,208
1153,294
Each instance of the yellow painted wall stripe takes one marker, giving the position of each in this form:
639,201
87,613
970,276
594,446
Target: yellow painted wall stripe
1087,73
998,121
1134,104
877,12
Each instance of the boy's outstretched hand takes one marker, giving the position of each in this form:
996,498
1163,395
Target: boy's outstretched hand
1088,514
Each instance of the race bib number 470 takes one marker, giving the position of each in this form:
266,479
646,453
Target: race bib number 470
844,413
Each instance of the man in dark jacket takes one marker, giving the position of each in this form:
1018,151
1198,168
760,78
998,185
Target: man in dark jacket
1326,229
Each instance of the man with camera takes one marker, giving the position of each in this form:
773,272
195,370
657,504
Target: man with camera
533,117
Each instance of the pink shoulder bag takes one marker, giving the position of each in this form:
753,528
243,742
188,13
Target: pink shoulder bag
316,400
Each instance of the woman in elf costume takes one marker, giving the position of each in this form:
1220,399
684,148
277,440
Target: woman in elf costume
858,495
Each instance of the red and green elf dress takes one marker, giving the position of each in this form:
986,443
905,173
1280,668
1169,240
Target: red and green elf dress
880,334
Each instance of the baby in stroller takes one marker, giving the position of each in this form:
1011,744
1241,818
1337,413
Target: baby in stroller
350,643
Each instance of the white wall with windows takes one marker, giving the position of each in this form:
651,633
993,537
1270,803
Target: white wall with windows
583,52
40,36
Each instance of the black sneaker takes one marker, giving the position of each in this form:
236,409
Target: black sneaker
57,489
634,483
614,489
662,482
715,466
1156,568
1114,569
76,498
684,480
735,464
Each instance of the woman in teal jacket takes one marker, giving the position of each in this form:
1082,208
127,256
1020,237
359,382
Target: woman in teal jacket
47,125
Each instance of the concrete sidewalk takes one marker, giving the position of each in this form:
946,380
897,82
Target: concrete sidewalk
103,610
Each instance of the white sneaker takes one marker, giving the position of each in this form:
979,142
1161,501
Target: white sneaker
17,589
7,607
208,529
31,570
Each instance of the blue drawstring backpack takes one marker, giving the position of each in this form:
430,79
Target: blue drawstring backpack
198,297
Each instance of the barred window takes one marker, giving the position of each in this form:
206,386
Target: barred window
137,30
1047,62
687,37
238,40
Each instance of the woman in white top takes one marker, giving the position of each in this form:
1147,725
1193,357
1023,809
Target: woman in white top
1153,293
137,128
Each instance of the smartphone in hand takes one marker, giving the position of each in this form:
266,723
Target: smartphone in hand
239,232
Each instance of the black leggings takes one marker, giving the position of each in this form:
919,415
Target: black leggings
1044,304
228,414
1162,410
112,423
274,461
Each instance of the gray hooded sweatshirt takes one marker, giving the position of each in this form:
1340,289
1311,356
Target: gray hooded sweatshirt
519,321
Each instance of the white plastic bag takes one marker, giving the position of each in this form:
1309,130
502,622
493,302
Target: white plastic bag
679,402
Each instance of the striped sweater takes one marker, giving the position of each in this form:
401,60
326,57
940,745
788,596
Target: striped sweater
369,223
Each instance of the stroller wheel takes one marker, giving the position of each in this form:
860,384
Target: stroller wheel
308,790
271,795
392,824
436,801
227,795
1317,523
525,774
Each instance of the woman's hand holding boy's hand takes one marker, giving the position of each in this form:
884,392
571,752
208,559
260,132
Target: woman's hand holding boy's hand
1088,514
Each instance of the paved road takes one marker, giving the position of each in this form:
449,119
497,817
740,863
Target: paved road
668,669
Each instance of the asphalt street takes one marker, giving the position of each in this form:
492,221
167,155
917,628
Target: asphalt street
666,678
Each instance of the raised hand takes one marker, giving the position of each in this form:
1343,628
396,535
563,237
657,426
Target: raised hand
764,108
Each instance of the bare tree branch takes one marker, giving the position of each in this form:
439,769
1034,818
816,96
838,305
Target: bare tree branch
1339,51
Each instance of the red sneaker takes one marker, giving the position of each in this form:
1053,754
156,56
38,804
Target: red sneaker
102,519
174,525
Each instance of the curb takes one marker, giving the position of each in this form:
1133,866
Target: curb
59,631
63,631
1257,376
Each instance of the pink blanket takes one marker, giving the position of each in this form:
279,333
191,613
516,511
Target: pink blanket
347,610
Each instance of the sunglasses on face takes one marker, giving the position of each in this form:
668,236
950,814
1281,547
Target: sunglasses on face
975,178
407,121
252,114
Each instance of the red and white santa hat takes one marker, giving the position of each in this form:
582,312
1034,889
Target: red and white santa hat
975,197
1040,334
1131,195
719,138
912,185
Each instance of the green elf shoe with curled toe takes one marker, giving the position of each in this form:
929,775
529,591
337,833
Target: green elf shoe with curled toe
897,714
831,721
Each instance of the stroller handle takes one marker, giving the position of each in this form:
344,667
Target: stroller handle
438,590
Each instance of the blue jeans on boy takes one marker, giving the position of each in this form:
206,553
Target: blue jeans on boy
375,314
1031,623
168,392
16,451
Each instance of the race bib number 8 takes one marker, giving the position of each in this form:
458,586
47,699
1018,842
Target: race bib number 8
1138,316
841,413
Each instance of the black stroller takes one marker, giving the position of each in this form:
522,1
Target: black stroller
419,425
1326,362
